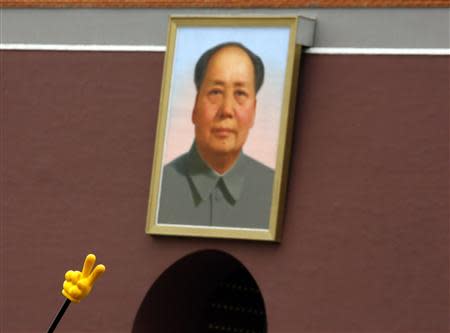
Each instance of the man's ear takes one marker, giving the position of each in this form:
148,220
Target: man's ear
193,109
254,114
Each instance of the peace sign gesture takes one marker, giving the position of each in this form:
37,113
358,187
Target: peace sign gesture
79,284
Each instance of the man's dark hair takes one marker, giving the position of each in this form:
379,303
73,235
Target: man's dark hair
202,64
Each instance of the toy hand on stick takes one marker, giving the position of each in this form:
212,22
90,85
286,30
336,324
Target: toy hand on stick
77,286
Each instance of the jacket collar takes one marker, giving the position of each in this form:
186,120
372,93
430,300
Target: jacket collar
205,179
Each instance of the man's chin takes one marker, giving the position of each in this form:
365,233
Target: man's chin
224,151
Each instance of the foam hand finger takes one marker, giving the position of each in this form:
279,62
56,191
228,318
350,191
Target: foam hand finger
68,275
89,262
84,286
67,285
96,273
71,292
73,276
75,292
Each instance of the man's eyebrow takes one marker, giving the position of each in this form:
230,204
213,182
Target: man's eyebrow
240,84
222,83
216,83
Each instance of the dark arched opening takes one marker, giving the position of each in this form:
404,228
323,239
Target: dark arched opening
204,292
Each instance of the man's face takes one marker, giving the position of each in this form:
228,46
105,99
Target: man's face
224,109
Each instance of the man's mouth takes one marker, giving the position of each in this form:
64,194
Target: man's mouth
223,131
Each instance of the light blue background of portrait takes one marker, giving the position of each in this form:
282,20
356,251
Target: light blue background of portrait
270,43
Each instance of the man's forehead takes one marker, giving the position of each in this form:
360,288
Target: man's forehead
228,51
229,59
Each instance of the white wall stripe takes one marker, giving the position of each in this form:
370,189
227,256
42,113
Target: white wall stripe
92,47
162,48
377,51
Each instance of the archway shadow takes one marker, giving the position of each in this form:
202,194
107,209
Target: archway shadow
204,292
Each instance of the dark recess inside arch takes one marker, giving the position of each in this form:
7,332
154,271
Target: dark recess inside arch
207,291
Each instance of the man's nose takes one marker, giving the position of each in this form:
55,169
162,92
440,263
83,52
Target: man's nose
227,107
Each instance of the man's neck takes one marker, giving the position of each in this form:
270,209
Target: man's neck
220,163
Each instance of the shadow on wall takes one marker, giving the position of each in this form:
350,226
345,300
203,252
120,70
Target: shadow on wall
204,292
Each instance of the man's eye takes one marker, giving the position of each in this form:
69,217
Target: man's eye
241,93
214,92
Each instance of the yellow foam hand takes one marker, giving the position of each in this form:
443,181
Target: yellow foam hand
79,284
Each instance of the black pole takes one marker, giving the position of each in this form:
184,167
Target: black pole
59,316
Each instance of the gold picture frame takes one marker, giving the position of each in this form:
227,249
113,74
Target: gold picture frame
224,127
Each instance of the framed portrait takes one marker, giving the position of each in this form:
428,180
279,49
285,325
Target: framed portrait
224,127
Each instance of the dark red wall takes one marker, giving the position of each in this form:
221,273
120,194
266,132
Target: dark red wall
365,242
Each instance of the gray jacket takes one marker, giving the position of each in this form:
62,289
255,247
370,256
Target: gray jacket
193,194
